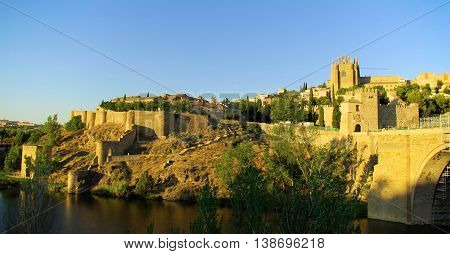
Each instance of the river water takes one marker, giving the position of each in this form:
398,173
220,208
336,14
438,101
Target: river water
91,214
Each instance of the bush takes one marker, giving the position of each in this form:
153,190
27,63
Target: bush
254,130
144,184
74,124
233,160
118,189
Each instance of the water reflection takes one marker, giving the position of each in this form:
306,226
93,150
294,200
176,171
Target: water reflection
90,214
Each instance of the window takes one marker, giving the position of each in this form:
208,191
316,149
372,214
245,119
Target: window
357,108
343,74
358,128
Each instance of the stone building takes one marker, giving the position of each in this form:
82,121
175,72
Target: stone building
361,112
345,74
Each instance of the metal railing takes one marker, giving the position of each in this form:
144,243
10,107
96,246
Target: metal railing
440,121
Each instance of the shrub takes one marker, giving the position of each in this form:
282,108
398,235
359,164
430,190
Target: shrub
254,130
144,184
118,189
74,124
121,189
233,160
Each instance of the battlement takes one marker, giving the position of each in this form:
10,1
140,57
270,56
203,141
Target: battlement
362,90
345,60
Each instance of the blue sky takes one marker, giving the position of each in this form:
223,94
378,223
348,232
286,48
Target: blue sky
201,46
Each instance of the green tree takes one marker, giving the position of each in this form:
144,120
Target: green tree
321,117
233,160
442,102
52,130
310,106
20,138
316,183
336,118
43,165
74,124
207,221
36,135
12,159
248,199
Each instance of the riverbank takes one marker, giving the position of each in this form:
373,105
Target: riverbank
9,181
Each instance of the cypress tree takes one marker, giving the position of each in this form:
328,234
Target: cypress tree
321,117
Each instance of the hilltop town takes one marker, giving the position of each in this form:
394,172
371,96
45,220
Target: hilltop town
175,144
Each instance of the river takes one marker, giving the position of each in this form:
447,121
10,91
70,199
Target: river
91,214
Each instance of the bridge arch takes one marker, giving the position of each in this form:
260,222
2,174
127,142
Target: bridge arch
424,184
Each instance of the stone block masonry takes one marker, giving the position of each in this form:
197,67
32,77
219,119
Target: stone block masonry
106,149
28,151
149,123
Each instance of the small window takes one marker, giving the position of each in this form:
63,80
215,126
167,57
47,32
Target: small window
343,74
357,108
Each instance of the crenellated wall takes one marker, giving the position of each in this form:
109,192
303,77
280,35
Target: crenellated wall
149,123
399,115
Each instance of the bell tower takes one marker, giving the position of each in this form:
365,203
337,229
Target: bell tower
344,73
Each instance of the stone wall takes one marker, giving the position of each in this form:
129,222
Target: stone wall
407,116
388,116
106,149
31,152
396,115
150,123
328,116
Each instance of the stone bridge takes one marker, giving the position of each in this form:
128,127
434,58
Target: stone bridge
411,180
411,176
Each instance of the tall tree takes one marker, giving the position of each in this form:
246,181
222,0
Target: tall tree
321,117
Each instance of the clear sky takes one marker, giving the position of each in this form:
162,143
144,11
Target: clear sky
202,46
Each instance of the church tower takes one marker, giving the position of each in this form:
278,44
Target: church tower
344,73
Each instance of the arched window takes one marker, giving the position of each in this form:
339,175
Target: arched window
357,128
343,74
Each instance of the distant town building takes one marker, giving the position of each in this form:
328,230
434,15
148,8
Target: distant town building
432,79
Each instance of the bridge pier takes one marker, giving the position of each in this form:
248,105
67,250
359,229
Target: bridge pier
404,180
